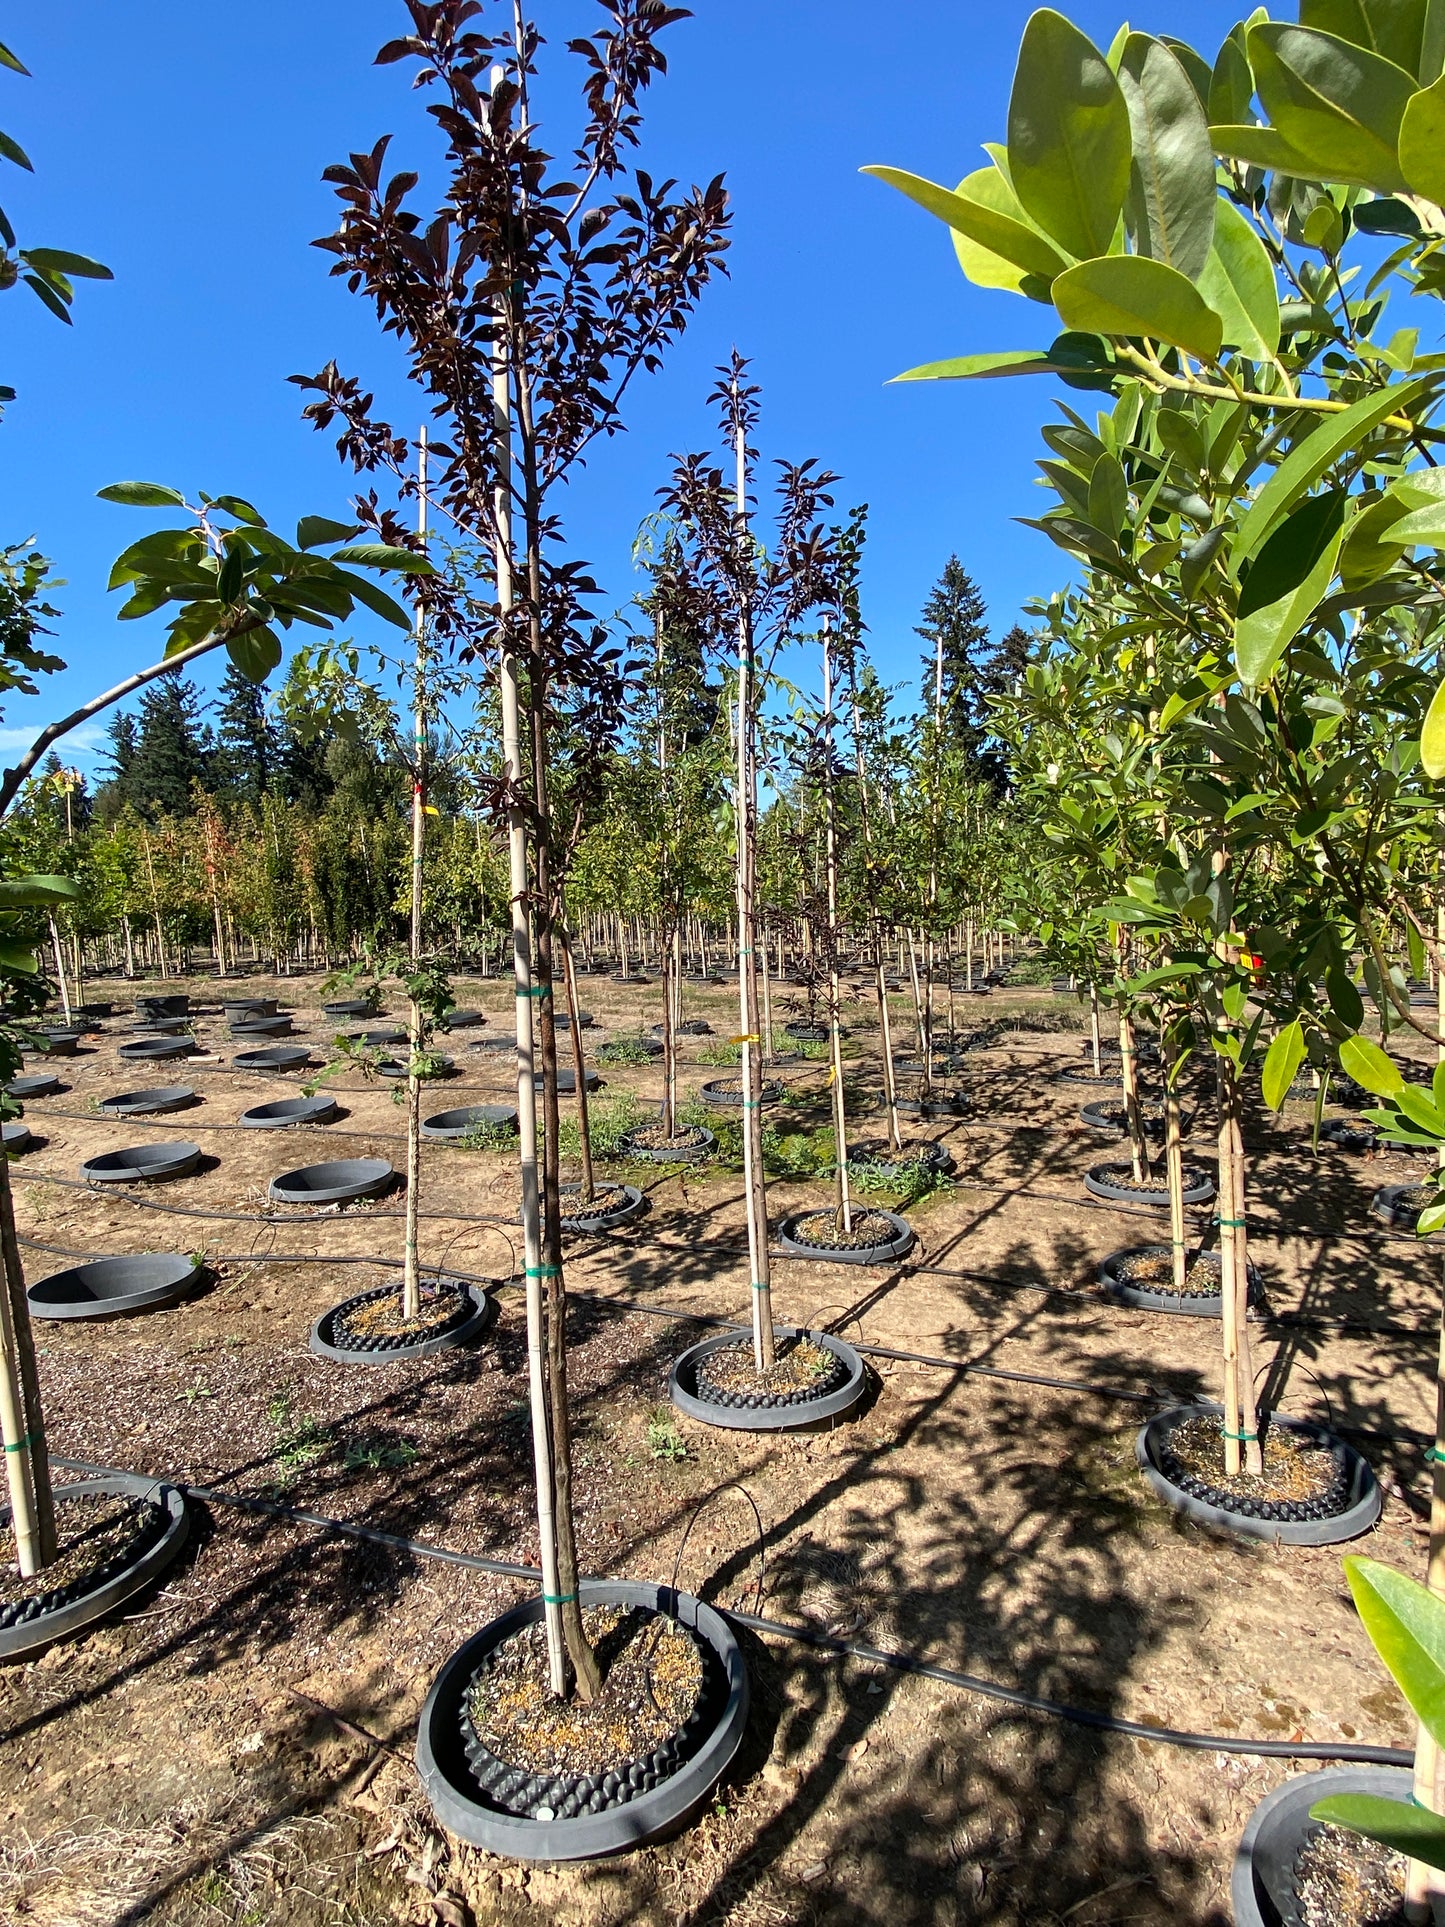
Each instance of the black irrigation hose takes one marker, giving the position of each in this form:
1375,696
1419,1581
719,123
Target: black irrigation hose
898,1662
123,1196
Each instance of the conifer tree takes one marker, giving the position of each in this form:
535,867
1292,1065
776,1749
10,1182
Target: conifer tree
954,626
173,749
247,752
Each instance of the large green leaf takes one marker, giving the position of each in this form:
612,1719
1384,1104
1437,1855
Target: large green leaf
1238,283
1068,136
255,654
1406,1625
1422,143
1337,104
1393,28
373,598
1231,84
1293,551
18,892
61,261
1127,294
314,530
1171,184
1281,1061
1432,737
1432,43
1262,635
382,555
142,495
1309,459
988,227
1410,1830
988,187
1371,1069
1108,494
1262,147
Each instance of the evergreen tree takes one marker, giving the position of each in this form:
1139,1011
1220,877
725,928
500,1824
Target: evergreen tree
173,749
247,752
1002,670
118,789
956,631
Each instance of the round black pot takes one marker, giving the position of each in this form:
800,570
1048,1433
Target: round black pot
247,1028
1261,1888
877,1155
694,1027
324,1343
650,1045
398,1067
1387,1204
1362,1504
165,1097
338,1182
161,1027
245,1009
878,1254
713,1093
822,1413
289,1110
807,1033
156,1050
1097,1117
386,1034
464,1809
1347,1135
1198,1186
16,1137
462,1020
142,1164
57,1043
455,1124
97,1011
43,1084
110,1286
1101,1081
567,1082
587,1218
113,1587
1202,1304
281,1057
677,1154
349,1007
939,1104
585,1019
153,1006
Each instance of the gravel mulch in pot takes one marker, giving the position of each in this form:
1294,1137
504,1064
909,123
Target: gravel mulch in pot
825,1230
1154,1271
98,1535
372,1318
1344,1880
1302,1478
538,1755
801,1371
652,1137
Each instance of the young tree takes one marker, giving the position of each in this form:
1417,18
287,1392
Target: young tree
245,757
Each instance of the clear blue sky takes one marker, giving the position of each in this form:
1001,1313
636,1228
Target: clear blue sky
184,145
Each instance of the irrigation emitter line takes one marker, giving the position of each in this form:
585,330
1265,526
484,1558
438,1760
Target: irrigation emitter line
908,1663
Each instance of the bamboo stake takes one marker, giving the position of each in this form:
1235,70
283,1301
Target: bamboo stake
411,1281
27,1459
835,1033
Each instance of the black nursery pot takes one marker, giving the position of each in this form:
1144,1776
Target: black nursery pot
464,1807
875,1254
142,1164
1116,1183
475,1312
71,1609
456,1123
1360,1502
793,1414
151,1050
289,1110
1191,1304
339,1182
112,1286
584,1218
1262,1888
280,1057
151,1103
42,1084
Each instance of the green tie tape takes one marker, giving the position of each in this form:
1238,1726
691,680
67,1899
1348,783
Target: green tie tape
544,1271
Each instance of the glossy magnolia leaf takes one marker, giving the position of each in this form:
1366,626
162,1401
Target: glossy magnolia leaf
1108,495
1262,147
1337,104
1293,552
18,957
1194,65
1068,136
381,555
61,261
1126,294
313,530
1369,552
1281,1061
1022,361
988,227
1171,184
1406,1625
1422,143
1309,459
1238,283
373,598
1422,1112
1231,84
1371,1069
1394,28
1345,999
142,495
18,892
1410,1830
1432,43
255,654
1262,636
985,269
1432,737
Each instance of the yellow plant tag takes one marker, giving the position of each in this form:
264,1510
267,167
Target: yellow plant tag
751,1038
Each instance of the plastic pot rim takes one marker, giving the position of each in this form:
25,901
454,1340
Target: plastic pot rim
824,1411
319,1109
1278,1824
344,1191
606,1220
1196,1193
1198,1304
897,1245
589,1836
1363,1509
482,1317
173,1097
184,1158
18,1642
182,1277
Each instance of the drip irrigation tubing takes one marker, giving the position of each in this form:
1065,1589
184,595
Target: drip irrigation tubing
899,1662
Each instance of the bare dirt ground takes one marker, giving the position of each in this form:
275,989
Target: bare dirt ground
237,1747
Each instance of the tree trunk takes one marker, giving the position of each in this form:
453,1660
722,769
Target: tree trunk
27,1461
416,1037
584,1122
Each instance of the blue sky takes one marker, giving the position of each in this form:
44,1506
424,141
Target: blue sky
184,146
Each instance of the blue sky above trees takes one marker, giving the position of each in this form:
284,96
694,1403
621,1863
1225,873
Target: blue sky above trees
184,147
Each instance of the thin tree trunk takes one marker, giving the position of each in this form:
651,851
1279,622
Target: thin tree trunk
1174,1164
579,1062
835,1034
27,1461
60,968
411,1276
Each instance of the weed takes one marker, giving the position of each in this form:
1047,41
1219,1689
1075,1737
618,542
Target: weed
609,1123
379,1454
483,1136
720,1054
627,1050
906,1182
299,1442
663,1439
193,1393
813,1048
